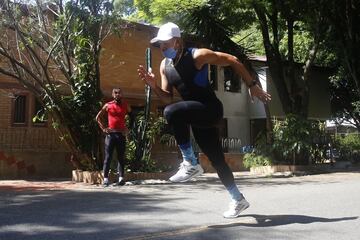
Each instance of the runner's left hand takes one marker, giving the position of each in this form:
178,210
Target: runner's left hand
256,91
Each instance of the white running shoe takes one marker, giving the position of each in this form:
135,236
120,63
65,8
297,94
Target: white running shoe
186,172
235,208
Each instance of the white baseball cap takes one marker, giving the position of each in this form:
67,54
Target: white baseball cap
167,32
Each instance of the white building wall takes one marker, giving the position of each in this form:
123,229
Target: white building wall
239,109
239,127
236,110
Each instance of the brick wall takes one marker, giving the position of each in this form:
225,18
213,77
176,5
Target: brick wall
121,57
5,109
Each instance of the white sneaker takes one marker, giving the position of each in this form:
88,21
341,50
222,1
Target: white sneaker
186,172
235,208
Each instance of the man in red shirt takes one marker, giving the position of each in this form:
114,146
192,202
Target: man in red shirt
115,132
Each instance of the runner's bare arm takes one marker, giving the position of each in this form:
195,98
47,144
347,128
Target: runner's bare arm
204,56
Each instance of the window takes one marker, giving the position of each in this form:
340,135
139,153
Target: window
232,82
19,110
213,77
257,130
261,71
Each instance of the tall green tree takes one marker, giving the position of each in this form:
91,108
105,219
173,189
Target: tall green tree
344,18
53,49
279,20
160,11
213,22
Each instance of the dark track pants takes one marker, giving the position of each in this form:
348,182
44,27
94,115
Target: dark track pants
114,141
202,118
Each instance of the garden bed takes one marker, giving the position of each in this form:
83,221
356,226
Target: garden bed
322,167
96,177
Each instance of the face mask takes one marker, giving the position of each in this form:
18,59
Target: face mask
170,53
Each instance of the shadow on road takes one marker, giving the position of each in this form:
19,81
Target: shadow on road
71,214
255,220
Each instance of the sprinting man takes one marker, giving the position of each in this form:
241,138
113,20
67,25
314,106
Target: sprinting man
186,69
115,132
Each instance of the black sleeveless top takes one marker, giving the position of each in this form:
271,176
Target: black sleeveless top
191,83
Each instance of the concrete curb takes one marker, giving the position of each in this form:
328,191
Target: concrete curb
96,177
301,169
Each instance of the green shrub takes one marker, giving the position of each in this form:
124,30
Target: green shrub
349,147
140,141
294,139
256,160
350,142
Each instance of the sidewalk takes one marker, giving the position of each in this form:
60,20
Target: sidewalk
321,206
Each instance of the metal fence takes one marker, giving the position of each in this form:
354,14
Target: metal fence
24,139
231,145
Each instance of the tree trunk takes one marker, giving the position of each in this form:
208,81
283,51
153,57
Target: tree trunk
274,61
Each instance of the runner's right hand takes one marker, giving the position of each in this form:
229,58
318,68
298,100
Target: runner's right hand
147,77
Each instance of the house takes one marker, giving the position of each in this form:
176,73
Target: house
33,149
245,119
344,128
26,147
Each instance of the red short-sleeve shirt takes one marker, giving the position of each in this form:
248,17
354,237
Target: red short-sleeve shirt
116,114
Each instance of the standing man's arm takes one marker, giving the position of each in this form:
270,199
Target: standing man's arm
99,118
205,56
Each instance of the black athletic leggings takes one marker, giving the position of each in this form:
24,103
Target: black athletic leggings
203,119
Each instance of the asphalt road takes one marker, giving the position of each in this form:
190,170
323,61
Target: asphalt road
324,206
